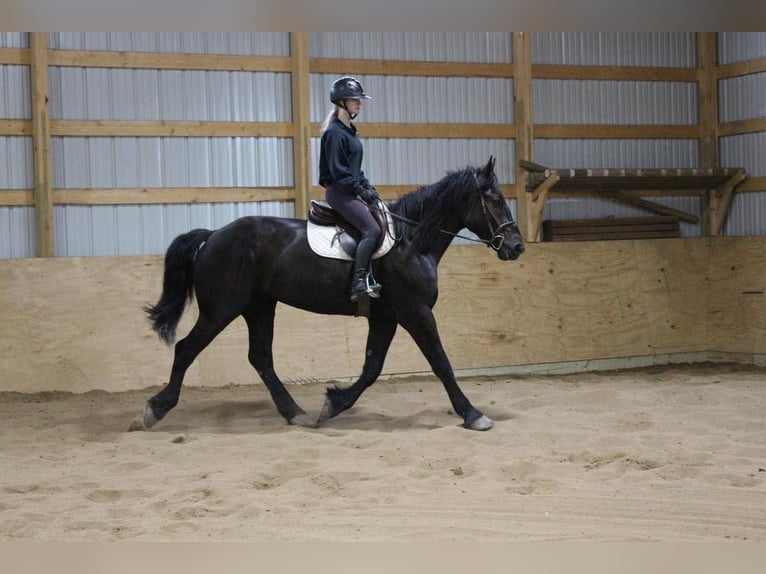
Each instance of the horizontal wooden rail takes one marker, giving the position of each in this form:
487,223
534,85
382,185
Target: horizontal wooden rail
597,131
129,128
742,127
745,68
644,73
405,68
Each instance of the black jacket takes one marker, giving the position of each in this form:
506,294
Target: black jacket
340,158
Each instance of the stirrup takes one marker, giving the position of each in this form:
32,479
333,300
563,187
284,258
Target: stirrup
372,288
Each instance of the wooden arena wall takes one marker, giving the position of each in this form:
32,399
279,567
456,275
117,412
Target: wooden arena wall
75,324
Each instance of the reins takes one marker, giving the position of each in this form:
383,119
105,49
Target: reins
495,243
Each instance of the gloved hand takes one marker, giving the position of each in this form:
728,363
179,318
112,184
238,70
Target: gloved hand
369,195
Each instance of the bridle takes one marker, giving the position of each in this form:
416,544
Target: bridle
497,240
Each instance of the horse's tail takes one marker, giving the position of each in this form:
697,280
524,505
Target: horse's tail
177,283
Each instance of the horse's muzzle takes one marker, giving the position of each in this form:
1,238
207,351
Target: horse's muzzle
511,250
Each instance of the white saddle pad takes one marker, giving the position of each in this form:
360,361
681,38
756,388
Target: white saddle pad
324,240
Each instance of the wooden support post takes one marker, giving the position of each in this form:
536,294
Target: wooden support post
535,205
707,90
41,141
299,51
718,203
522,96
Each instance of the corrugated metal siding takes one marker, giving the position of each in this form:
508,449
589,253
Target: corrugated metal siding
745,150
400,99
184,95
740,46
15,101
17,232
658,49
230,43
485,47
742,98
614,102
144,229
626,153
16,162
171,162
747,215
116,94
14,40
394,161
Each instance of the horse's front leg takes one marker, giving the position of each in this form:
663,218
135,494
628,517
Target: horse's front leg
379,337
421,324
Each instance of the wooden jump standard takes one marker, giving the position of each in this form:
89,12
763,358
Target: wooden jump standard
717,184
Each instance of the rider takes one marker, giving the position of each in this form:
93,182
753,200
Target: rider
340,173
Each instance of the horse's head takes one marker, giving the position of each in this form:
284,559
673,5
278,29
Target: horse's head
490,217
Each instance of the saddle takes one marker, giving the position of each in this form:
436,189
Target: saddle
331,235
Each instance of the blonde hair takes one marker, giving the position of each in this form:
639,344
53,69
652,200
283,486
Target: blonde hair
330,117
336,112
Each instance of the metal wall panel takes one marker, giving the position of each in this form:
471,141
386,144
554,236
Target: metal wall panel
648,153
747,215
394,161
405,99
145,229
171,162
740,46
16,162
116,94
486,47
742,98
15,90
229,43
745,150
614,102
14,40
17,232
658,49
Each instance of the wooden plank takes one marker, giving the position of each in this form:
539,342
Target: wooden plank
707,93
610,228
436,131
755,66
9,127
752,184
650,205
41,137
299,50
17,197
162,195
742,127
526,207
629,73
572,131
162,128
342,66
718,203
153,61
15,56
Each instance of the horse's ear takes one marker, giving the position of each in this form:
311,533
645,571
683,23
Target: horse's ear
488,169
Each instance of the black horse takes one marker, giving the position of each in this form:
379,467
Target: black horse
249,265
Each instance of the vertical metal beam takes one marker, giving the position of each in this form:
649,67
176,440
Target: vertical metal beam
522,96
299,52
41,137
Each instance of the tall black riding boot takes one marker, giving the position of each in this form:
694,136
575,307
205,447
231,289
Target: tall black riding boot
361,282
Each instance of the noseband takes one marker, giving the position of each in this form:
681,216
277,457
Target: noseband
497,238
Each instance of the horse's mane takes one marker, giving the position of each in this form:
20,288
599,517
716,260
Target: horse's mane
431,206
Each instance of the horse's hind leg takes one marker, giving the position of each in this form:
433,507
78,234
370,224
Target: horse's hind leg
260,323
379,339
186,350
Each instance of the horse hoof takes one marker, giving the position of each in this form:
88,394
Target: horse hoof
327,411
302,420
483,423
149,417
137,424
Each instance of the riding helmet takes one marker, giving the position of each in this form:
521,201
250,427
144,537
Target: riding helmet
347,88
